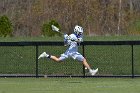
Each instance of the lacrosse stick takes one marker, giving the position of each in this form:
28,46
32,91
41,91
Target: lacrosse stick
56,29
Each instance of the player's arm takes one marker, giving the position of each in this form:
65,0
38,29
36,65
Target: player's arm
66,38
72,38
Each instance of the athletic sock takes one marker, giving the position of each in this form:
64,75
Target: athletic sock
49,56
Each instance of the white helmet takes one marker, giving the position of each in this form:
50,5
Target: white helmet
78,30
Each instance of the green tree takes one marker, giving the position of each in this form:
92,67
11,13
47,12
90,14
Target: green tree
6,27
47,30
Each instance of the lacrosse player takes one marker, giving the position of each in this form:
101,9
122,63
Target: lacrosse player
72,41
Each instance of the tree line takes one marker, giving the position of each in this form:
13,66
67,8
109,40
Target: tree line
98,17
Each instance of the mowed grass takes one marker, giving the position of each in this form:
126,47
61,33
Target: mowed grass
110,60
69,85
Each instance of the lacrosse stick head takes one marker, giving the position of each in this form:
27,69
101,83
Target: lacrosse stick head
54,28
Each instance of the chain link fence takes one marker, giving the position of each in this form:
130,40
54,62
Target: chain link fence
113,58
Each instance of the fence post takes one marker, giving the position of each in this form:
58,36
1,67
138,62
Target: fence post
36,61
83,50
132,61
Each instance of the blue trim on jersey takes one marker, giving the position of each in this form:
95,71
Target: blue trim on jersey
78,36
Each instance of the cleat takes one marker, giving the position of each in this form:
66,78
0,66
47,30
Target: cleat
43,55
93,72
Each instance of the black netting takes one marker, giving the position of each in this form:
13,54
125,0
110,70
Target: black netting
137,60
112,60
15,60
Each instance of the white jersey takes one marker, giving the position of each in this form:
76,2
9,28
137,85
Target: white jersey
72,43
72,51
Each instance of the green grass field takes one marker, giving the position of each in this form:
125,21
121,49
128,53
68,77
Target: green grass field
69,85
110,61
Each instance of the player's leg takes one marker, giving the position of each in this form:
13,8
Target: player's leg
79,57
92,71
60,59
54,58
85,63
44,54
